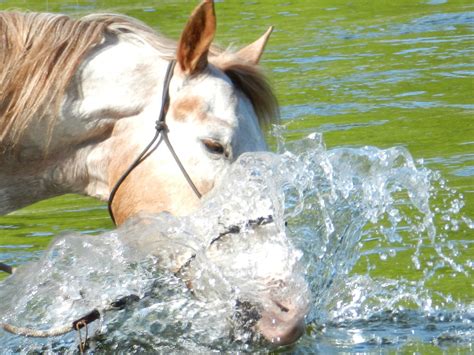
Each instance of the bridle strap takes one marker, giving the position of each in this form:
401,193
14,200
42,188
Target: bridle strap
233,229
181,167
161,133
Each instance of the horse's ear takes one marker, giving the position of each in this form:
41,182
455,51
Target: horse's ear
196,39
253,52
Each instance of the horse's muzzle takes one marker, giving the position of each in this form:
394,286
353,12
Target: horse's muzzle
278,322
281,324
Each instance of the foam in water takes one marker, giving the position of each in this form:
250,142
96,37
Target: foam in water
331,210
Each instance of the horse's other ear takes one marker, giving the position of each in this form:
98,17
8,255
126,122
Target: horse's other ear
196,39
253,52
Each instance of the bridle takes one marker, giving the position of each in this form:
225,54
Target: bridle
161,134
232,229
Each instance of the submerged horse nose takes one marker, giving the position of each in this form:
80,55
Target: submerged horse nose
277,323
282,324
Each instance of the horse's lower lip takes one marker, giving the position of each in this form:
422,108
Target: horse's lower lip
281,328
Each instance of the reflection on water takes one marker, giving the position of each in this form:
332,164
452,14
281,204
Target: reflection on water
386,232
340,206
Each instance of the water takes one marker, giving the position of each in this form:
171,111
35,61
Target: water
374,172
152,256
341,206
378,205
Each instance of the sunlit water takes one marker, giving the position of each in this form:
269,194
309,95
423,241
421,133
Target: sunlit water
382,233
339,205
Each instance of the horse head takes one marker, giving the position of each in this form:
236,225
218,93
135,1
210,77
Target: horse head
214,116
217,103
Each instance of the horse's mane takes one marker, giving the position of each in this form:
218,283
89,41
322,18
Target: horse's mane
41,52
252,82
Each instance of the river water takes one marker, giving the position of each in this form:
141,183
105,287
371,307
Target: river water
378,134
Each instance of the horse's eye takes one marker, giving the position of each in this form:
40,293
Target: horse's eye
213,147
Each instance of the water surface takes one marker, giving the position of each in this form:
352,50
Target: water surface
384,90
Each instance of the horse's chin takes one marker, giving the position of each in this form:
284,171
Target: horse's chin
281,324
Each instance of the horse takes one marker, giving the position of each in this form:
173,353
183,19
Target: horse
81,98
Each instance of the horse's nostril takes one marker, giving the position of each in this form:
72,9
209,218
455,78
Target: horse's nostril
282,307
281,329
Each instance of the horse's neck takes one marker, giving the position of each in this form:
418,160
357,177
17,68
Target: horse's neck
75,170
120,82
18,189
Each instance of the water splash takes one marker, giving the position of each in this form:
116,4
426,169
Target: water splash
369,229
377,231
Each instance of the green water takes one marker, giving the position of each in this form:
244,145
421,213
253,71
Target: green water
381,73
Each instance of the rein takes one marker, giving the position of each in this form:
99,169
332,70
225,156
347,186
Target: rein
161,133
